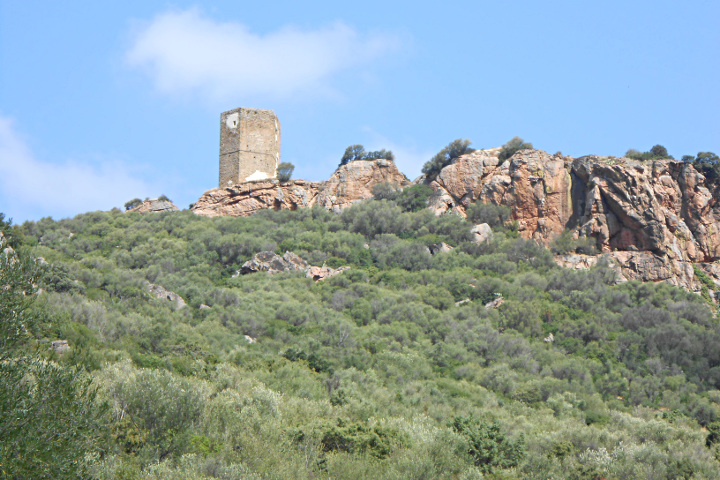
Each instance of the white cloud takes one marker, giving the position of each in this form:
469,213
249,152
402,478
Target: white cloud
186,52
31,188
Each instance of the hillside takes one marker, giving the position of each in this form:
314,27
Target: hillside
482,360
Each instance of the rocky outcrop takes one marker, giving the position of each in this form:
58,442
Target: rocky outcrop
155,205
273,263
534,184
349,184
354,181
163,294
654,219
247,198
324,272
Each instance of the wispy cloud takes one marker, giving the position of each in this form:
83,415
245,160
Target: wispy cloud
185,52
31,188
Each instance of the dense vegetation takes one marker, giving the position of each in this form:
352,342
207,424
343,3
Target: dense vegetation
392,369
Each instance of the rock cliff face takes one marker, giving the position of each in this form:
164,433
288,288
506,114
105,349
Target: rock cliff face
652,219
349,184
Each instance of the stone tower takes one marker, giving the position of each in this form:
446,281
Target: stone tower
249,145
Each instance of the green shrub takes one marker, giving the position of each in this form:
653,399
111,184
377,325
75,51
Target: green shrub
514,145
414,198
445,157
657,152
488,446
493,215
357,152
285,171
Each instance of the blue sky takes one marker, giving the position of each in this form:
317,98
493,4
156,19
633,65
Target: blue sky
101,102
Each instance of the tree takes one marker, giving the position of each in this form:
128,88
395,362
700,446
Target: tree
444,157
164,198
514,145
133,203
353,152
285,171
48,413
657,152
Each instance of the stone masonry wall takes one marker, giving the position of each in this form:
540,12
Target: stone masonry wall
249,145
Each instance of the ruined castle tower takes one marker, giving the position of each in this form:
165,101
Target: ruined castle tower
249,145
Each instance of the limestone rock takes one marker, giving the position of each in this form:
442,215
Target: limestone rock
154,205
162,293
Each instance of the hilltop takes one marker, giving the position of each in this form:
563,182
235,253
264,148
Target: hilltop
656,220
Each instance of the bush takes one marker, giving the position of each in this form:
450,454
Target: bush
657,152
489,448
444,157
707,163
414,198
565,243
164,198
493,215
357,152
285,171
511,147
386,191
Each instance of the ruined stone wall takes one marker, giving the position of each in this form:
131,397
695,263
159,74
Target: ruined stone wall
249,145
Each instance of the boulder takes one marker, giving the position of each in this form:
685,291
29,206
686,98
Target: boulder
273,263
482,233
441,247
164,294
354,181
324,272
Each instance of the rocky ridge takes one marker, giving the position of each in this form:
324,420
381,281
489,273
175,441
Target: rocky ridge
653,220
350,183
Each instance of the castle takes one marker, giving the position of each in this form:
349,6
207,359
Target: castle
249,145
